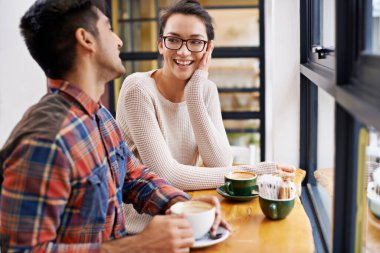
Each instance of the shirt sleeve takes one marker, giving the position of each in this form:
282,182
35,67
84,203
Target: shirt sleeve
34,194
147,192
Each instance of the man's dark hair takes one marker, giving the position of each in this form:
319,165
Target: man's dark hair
49,26
187,7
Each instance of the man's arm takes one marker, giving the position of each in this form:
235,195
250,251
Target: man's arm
34,195
146,191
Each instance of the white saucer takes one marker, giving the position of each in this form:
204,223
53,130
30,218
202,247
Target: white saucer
207,241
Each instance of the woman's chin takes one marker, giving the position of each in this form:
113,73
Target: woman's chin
184,76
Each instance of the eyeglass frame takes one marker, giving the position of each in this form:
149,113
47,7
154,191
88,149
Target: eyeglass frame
183,41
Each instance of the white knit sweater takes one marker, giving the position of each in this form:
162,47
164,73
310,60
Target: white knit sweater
174,139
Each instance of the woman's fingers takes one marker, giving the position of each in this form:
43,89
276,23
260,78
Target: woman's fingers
206,59
287,168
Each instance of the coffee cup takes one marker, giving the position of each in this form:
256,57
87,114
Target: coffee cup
240,183
201,215
276,209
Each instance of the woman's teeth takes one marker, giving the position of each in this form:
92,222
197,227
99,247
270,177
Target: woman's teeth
183,63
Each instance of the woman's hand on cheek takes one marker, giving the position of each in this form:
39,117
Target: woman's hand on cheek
206,59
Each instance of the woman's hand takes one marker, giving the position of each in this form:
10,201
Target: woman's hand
206,59
271,168
286,170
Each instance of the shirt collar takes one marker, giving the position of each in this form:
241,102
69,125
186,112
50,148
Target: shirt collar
89,105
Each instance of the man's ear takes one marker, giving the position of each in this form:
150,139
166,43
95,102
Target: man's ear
85,39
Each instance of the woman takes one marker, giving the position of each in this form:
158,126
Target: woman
171,117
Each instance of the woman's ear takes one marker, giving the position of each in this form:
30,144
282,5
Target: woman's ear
85,39
160,44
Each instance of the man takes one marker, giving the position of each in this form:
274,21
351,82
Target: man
65,167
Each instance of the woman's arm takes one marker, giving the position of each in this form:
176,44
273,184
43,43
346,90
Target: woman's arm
205,114
136,112
206,119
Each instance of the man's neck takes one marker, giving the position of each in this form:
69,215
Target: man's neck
88,81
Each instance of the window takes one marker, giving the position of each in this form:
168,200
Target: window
340,101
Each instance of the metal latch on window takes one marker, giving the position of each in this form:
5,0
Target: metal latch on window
320,51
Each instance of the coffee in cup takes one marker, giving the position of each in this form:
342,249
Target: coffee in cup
240,183
201,215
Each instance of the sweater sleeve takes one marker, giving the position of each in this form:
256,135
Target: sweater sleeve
136,111
206,118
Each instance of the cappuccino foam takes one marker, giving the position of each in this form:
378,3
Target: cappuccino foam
195,207
241,175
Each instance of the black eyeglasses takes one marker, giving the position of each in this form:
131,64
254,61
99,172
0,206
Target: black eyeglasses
175,43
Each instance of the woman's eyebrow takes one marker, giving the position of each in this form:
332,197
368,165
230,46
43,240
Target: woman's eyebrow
191,36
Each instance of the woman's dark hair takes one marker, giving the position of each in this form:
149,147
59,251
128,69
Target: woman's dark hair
187,7
49,26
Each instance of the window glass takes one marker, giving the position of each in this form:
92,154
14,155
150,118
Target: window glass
323,25
137,9
376,26
240,101
324,174
245,133
316,24
232,31
139,36
328,21
242,125
235,72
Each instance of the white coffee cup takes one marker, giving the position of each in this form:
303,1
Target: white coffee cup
201,215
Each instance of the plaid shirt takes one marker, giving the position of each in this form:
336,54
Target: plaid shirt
65,177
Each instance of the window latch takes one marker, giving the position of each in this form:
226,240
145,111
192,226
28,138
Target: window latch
320,51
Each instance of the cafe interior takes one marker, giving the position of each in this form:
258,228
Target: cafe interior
298,83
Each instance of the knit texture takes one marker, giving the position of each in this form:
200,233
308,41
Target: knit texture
174,139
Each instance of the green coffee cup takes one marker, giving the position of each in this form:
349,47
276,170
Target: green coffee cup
276,209
240,183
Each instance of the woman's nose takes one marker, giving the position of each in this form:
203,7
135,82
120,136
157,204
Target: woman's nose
183,50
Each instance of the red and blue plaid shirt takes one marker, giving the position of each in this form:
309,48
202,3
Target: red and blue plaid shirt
66,173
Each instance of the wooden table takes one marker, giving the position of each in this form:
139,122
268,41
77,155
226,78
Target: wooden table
252,232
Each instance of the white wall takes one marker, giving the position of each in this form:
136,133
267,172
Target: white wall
282,36
22,82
